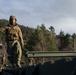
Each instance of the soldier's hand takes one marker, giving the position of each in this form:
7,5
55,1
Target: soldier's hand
22,46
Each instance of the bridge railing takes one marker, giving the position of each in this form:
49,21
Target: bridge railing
37,54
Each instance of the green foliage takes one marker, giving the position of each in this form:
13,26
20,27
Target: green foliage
52,29
42,40
32,40
52,39
74,36
3,22
66,41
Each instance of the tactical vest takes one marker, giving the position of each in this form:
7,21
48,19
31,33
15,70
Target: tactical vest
11,33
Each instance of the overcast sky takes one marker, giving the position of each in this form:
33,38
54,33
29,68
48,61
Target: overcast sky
61,14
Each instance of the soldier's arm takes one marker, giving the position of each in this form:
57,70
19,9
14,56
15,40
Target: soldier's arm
20,37
2,29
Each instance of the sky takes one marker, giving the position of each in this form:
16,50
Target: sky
61,14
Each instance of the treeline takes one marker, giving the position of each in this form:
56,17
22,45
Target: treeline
42,39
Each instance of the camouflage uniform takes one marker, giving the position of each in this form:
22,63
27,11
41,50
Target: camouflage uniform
15,42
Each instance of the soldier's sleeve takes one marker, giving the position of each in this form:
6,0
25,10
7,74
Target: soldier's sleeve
2,29
20,37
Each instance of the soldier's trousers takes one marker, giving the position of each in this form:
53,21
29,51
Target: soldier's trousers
14,52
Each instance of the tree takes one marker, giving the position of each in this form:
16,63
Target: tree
74,41
61,37
52,29
40,34
65,41
32,40
52,39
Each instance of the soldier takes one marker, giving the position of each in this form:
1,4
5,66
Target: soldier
14,41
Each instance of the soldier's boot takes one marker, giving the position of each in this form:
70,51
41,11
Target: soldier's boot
18,64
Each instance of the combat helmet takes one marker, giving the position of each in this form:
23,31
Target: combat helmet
12,17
